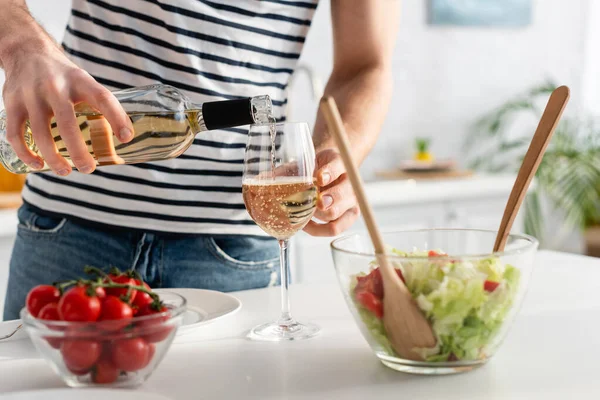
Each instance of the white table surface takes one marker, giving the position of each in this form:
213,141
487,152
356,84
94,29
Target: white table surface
551,352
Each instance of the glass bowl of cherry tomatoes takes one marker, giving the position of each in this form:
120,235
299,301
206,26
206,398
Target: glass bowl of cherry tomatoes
110,331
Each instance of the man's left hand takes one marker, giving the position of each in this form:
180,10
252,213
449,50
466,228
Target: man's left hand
337,206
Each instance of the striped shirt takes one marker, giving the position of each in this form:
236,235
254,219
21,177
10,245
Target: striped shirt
209,49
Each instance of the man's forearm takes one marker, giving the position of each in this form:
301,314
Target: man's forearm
363,99
18,30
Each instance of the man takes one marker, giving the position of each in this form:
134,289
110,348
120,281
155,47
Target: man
175,221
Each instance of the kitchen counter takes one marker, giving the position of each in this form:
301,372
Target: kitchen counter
400,192
549,354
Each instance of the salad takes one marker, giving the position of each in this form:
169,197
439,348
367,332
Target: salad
465,301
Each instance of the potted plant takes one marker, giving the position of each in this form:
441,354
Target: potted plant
569,175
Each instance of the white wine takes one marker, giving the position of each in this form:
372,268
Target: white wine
157,135
281,207
164,120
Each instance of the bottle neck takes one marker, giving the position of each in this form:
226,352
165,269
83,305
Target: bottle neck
231,113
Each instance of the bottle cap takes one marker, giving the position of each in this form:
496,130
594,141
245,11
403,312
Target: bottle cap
227,113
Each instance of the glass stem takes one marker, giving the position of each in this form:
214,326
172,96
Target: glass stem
284,261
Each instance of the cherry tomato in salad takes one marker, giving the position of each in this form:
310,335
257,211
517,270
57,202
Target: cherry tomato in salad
433,253
78,305
115,313
371,303
400,275
130,354
118,292
39,296
154,329
80,355
376,283
490,286
373,283
141,299
104,372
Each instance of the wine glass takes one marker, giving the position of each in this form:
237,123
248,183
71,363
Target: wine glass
280,193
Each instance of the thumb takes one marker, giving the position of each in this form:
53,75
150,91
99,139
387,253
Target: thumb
330,171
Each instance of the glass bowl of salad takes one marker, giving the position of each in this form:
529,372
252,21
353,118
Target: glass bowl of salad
469,295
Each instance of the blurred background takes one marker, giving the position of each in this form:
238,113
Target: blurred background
471,79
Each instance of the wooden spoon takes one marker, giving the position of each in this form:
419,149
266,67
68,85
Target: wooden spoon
554,109
405,325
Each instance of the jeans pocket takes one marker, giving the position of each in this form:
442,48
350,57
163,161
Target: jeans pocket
31,222
244,252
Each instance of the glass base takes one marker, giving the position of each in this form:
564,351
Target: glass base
432,368
278,331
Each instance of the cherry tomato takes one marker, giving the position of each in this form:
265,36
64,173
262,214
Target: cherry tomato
433,253
373,283
130,354
78,372
141,299
371,303
39,296
104,372
151,351
490,286
116,313
154,330
50,313
100,293
118,292
78,305
400,275
80,355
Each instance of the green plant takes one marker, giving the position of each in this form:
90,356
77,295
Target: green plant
422,144
569,174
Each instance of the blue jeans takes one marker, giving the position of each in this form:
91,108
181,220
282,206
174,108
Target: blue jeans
49,249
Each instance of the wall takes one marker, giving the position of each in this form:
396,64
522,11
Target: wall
447,76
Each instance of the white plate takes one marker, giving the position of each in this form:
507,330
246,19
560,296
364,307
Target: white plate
7,327
204,307
78,394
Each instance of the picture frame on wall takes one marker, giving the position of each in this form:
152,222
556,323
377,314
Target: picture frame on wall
491,13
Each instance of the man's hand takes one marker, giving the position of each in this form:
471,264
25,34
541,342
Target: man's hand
41,82
337,206
364,34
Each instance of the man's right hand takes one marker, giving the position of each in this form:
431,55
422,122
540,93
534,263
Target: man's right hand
41,82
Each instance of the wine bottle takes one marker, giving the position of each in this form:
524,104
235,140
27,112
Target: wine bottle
164,120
